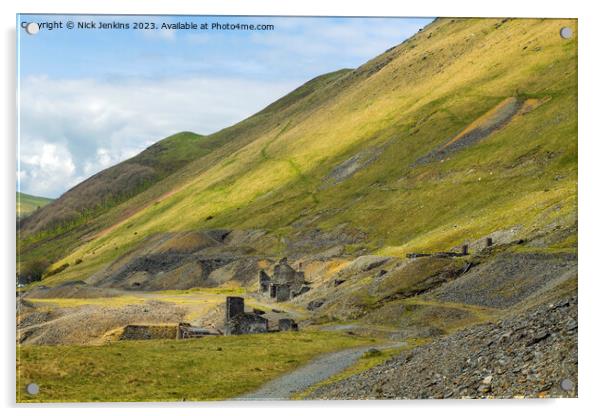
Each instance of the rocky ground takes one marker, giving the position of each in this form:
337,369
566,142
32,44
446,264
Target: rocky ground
504,280
533,354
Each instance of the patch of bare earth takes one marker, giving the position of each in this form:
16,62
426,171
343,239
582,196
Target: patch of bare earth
87,324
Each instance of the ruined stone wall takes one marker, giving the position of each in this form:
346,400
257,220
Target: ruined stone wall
246,323
264,281
140,332
283,292
234,306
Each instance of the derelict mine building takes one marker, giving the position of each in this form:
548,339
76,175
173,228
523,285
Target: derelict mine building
239,322
285,284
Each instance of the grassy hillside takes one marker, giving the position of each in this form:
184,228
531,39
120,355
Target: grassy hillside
52,240
468,128
27,204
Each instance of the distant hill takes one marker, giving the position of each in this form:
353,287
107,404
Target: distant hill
27,204
124,180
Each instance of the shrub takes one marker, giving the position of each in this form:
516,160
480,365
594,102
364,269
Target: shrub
33,270
57,270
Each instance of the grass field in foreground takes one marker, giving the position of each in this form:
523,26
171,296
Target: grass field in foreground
211,368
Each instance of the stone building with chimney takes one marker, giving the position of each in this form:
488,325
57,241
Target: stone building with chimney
239,322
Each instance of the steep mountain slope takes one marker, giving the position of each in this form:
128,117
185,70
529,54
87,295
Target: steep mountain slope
466,129
27,204
52,234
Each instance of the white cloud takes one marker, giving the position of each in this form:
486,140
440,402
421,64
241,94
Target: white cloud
71,129
112,108
44,166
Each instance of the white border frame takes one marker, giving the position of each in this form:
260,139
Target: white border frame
590,177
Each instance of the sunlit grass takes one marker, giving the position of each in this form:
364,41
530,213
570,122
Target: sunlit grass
114,301
211,368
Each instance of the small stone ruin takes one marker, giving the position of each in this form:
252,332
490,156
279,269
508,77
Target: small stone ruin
285,284
246,323
145,332
187,331
234,306
443,254
182,330
239,322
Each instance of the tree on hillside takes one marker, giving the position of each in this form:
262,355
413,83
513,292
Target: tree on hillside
32,271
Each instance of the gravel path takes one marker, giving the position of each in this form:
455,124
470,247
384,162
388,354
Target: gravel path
299,380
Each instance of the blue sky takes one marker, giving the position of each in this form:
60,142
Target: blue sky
92,98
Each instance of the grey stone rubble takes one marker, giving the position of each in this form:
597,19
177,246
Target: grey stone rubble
509,278
503,116
533,354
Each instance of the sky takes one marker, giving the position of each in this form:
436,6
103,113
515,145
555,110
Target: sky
91,98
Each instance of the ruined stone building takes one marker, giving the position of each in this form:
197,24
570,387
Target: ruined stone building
187,331
181,330
285,284
239,322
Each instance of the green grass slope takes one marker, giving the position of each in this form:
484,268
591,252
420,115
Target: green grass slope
27,204
500,96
